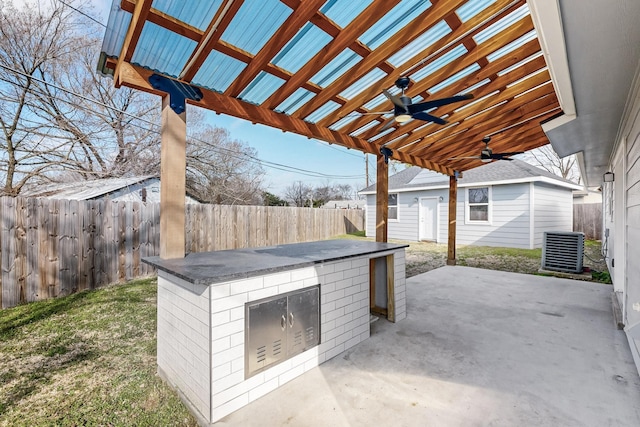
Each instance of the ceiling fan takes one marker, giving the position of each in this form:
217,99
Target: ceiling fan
404,110
487,155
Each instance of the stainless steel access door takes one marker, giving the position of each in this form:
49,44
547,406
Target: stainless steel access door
266,334
303,320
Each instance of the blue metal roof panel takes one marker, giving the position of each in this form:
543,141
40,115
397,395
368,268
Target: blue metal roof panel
218,71
438,31
392,22
117,27
472,8
261,88
445,59
255,23
342,12
197,13
364,128
454,78
371,78
475,86
519,64
512,46
336,68
500,25
162,50
375,102
322,112
295,101
301,48
343,121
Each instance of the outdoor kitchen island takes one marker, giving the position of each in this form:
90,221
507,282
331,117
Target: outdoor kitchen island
234,325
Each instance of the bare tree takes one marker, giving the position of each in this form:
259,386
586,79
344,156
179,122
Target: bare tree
61,121
299,194
221,169
546,158
32,44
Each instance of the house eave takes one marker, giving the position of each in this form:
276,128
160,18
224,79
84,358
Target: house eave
543,179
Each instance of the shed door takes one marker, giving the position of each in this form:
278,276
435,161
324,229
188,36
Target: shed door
428,218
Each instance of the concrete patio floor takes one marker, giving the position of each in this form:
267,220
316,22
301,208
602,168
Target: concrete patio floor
478,348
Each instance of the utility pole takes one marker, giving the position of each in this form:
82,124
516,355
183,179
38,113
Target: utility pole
366,169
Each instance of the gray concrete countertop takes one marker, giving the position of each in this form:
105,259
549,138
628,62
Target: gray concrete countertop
205,268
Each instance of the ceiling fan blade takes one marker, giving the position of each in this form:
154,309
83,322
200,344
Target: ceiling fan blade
390,122
415,108
509,154
372,113
395,99
429,118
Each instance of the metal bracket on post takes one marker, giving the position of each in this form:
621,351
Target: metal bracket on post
386,152
178,92
457,175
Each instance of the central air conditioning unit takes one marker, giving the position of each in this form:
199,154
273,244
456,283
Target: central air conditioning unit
563,251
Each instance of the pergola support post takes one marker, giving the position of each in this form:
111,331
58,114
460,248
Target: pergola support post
382,198
453,203
173,163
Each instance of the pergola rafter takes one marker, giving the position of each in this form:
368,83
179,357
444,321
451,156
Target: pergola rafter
268,74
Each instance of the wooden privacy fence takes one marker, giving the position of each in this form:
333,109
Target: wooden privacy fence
587,218
50,248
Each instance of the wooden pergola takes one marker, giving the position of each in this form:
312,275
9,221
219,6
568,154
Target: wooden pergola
318,68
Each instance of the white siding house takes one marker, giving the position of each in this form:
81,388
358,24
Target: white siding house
505,203
592,50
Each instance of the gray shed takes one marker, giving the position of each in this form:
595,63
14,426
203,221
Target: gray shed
504,203
132,189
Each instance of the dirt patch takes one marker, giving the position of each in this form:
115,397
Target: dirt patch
422,257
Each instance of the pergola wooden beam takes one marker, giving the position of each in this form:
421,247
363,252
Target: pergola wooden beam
505,37
173,161
137,77
433,52
138,20
382,199
300,16
538,108
210,38
498,84
485,106
345,38
406,35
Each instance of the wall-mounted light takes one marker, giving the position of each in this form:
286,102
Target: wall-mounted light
441,198
608,177
415,200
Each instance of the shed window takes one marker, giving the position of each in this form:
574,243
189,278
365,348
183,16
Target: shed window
393,206
478,204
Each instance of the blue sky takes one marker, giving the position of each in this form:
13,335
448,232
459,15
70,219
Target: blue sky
289,149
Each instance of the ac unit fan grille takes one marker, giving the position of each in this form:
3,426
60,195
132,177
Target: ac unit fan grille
563,252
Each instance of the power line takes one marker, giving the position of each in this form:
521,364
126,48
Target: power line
82,13
94,20
266,163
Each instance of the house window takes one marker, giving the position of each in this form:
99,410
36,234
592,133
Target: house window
393,206
478,204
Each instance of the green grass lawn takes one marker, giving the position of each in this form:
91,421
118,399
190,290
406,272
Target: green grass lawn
87,359
425,256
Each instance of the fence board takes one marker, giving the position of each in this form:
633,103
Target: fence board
33,272
10,289
54,247
587,218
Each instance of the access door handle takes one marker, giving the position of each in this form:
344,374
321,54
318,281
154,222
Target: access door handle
291,320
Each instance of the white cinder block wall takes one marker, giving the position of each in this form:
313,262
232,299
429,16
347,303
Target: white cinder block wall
201,330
